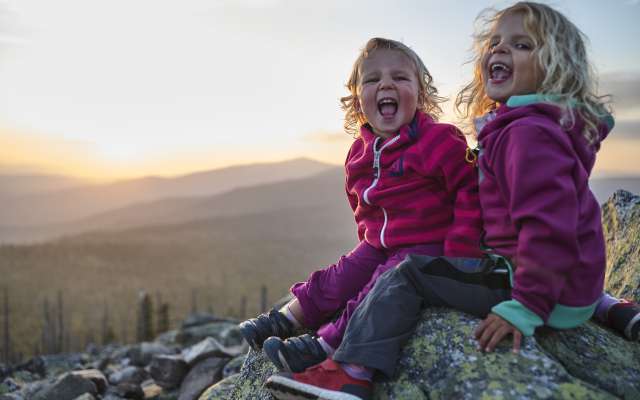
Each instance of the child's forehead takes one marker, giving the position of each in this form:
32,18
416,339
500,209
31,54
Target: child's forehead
380,57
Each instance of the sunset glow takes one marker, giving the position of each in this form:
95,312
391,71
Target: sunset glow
120,89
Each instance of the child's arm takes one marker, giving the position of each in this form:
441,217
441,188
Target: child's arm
461,180
534,169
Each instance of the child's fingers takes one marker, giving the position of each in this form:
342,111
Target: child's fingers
498,335
487,334
517,340
478,332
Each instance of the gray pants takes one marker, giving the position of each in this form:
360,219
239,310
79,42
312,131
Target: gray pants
385,320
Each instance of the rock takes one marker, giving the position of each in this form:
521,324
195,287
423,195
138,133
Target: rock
232,338
127,391
131,374
57,364
168,338
168,370
67,387
233,367
8,386
195,334
201,318
201,376
112,396
94,376
150,389
11,396
208,347
441,361
85,396
621,223
248,383
142,354
221,390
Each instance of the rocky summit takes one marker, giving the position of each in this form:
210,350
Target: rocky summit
206,358
441,360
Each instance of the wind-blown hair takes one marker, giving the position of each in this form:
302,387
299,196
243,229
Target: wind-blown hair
560,51
428,99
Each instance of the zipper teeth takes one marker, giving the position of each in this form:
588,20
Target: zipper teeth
384,227
377,155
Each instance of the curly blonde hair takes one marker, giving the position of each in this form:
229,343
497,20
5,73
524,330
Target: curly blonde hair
428,99
560,51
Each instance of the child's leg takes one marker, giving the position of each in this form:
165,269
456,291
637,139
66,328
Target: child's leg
332,332
325,292
387,317
297,354
619,314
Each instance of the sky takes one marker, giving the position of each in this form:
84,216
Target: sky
126,88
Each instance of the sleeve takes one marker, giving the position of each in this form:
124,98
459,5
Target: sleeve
461,181
352,198
534,171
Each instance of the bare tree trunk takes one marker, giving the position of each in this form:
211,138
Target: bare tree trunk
7,338
243,307
162,324
145,318
47,328
60,341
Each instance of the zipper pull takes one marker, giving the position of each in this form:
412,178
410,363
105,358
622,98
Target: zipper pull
376,163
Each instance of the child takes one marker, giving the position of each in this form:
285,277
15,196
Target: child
545,248
411,191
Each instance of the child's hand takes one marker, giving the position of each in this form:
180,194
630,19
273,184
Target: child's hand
492,330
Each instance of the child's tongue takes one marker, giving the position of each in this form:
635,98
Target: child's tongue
388,110
501,75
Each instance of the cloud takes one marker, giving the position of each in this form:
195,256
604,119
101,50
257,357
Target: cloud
625,89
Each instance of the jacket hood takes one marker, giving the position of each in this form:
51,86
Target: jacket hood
535,106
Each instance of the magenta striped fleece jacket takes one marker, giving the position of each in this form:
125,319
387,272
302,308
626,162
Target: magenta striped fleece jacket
415,188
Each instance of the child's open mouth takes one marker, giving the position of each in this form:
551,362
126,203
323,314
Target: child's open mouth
387,107
499,72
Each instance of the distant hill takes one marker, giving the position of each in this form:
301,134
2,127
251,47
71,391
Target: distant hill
603,188
212,262
22,185
322,189
61,206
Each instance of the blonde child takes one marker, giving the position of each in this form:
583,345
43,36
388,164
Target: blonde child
411,191
539,124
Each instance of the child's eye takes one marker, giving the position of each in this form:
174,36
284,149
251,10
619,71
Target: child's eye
370,80
523,46
402,78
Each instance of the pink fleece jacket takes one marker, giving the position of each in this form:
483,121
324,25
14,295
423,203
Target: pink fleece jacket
415,188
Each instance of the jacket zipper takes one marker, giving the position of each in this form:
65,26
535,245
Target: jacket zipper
376,171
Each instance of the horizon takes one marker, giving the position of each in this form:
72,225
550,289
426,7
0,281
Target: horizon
84,100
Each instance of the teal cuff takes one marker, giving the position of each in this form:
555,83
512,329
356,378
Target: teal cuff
561,317
564,317
519,316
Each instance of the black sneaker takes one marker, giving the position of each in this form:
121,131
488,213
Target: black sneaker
294,354
256,330
624,317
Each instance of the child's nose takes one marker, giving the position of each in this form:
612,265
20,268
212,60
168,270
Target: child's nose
499,48
386,82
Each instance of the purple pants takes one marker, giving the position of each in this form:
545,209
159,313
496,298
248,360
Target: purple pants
346,283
